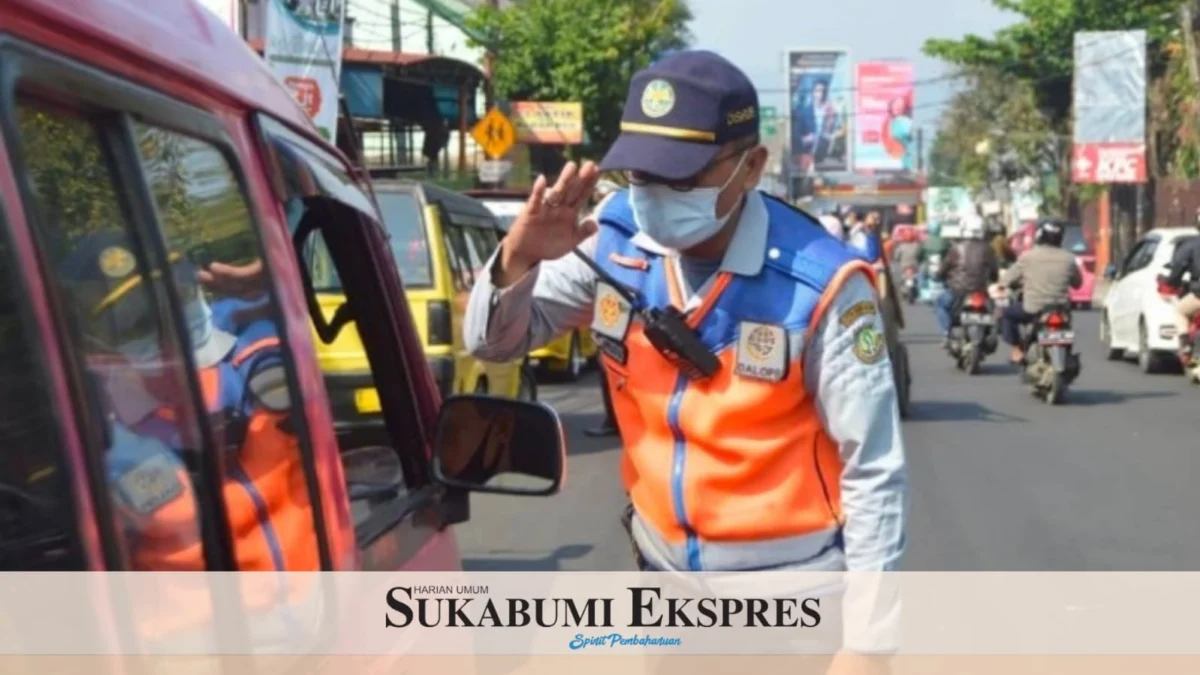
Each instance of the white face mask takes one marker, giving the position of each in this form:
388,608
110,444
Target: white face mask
680,220
147,351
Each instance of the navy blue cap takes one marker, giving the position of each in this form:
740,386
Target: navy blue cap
105,263
679,113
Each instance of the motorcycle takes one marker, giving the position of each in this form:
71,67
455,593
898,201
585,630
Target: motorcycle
973,337
910,285
1050,364
1189,342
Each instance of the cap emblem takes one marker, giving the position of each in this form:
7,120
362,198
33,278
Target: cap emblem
117,262
658,99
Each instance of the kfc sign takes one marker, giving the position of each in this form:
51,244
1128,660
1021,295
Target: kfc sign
1109,163
307,93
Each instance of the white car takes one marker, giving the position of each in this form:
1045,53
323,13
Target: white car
1137,320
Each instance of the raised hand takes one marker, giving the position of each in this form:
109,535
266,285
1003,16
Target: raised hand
550,225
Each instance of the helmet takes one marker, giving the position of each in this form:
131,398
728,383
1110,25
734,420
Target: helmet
972,227
1049,233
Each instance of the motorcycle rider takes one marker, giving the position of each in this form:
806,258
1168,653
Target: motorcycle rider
1046,273
998,240
907,253
968,267
1186,261
934,247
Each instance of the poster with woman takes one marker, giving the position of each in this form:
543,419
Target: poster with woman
819,88
886,136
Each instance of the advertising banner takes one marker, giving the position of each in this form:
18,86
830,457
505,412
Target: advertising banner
947,206
226,10
548,123
885,136
1109,101
819,90
304,50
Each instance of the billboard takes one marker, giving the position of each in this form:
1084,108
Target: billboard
819,89
304,50
545,122
885,136
1109,102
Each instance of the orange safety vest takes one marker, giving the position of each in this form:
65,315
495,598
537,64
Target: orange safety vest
742,457
266,494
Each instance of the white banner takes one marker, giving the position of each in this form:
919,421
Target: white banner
304,50
601,613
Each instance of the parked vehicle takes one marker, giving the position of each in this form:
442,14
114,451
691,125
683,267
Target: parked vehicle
568,355
973,336
1051,364
163,404
1137,320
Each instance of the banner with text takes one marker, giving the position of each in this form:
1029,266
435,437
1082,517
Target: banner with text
1109,103
547,123
885,136
304,50
404,614
819,89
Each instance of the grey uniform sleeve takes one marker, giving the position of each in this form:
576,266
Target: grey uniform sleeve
552,298
847,368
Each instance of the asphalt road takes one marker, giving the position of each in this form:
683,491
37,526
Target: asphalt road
1000,480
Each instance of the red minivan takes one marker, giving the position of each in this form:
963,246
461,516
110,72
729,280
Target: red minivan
164,202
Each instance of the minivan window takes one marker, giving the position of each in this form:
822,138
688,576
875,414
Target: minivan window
241,360
406,234
125,351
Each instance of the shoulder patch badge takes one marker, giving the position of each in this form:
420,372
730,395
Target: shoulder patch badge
117,262
857,311
612,314
762,351
658,98
151,484
869,346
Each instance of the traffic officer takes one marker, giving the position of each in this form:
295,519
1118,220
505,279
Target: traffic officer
243,383
608,426
790,455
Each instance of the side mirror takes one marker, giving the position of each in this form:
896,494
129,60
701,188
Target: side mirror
499,445
1110,272
373,473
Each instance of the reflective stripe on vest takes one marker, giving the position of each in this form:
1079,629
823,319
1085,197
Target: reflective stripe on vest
734,460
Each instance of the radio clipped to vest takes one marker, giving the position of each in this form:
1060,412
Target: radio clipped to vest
666,329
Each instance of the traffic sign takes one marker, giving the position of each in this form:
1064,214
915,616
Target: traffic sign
494,170
495,134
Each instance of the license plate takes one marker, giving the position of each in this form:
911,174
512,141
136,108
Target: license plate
367,401
978,319
1056,337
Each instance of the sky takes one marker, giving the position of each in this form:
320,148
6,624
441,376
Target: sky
755,34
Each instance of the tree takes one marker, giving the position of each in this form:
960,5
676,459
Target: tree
1038,50
579,50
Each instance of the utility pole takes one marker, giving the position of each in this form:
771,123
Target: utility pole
489,66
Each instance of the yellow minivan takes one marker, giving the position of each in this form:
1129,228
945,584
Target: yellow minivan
568,355
440,241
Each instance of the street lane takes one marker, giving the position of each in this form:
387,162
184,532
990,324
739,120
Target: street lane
1000,480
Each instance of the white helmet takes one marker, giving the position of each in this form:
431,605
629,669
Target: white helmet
972,227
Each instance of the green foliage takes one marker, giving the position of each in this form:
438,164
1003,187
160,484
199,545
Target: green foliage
1038,49
579,50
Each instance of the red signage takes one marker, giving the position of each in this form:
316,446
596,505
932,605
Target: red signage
307,93
1109,163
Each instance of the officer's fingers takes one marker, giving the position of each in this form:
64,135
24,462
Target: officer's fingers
587,227
580,188
537,196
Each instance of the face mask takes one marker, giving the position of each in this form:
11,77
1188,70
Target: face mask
680,220
147,351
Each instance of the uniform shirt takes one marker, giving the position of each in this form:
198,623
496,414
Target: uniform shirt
1045,274
856,401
